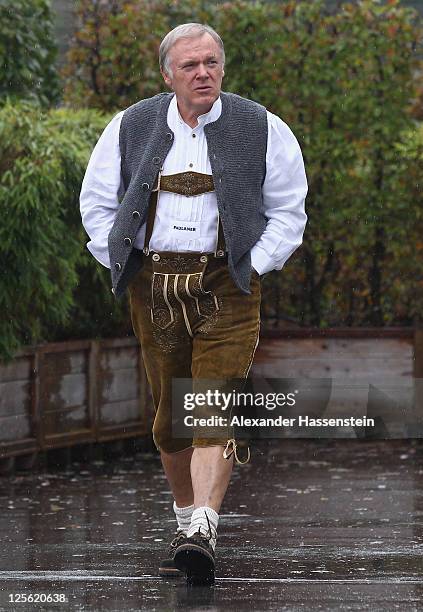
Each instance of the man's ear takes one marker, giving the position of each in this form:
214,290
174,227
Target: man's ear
166,78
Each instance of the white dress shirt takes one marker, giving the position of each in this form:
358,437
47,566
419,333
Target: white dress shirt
284,192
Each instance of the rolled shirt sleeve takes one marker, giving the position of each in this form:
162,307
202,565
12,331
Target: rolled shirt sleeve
284,192
101,189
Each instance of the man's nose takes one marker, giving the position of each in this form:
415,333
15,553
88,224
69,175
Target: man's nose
202,71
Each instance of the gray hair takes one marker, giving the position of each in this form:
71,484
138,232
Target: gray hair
186,30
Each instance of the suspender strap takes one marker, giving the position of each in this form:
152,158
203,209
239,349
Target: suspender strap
154,198
150,222
220,242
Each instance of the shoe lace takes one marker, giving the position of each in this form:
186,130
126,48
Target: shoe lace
178,537
210,534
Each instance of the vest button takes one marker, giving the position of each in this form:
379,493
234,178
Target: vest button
169,136
203,258
127,241
156,257
112,290
136,214
145,186
156,160
118,266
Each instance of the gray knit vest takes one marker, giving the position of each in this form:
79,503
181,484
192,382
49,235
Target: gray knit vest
236,142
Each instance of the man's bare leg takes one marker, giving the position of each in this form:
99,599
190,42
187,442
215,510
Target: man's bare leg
210,475
198,476
177,469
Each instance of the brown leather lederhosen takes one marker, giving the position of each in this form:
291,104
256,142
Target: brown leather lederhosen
190,318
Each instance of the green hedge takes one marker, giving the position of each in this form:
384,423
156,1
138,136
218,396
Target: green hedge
50,286
52,289
345,82
28,51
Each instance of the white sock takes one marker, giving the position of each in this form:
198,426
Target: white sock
183,516
199,523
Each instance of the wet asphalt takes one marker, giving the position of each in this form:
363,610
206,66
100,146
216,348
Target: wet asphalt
306,525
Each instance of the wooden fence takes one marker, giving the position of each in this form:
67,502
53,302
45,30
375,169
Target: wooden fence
58,395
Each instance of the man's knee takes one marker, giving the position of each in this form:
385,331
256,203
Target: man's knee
164,441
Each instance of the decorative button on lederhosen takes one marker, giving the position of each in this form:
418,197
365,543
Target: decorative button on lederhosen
220,253
156,257
203,258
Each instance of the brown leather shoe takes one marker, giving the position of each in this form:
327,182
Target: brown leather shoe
195,557
167,567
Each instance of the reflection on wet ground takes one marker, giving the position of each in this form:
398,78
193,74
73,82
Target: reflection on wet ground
307,525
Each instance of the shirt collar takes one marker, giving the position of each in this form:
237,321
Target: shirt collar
173,115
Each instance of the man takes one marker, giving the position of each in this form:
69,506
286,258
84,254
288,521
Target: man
189,198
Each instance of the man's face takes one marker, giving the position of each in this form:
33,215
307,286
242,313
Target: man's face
197,72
